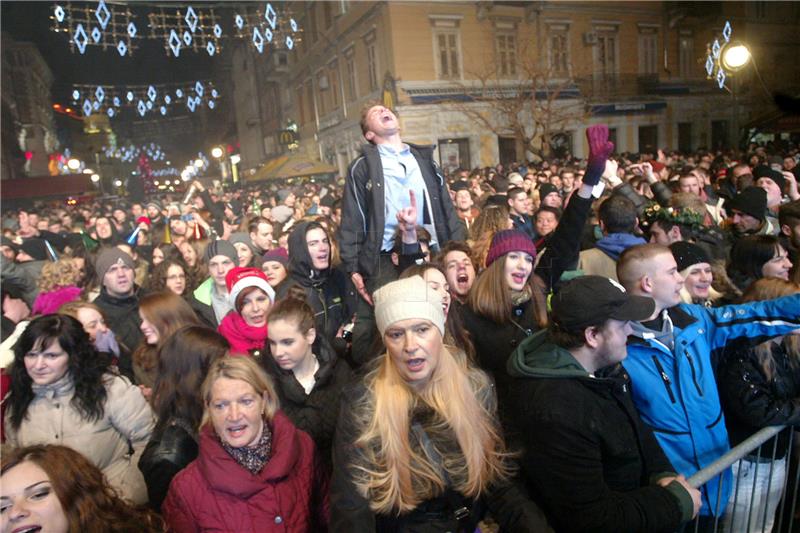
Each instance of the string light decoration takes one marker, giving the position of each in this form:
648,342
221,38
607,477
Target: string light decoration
264,26
128,154
96,25
189,28
184,28
144,99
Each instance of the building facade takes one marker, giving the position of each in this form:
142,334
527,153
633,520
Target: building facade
27,102
636,66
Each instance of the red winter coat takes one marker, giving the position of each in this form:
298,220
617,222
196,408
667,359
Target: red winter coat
215,493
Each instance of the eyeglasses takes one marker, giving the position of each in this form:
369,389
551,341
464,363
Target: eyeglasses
176,277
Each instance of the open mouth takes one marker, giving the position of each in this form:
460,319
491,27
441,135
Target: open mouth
415,365
237,431
519,279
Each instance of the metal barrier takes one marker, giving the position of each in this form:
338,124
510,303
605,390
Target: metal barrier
760,501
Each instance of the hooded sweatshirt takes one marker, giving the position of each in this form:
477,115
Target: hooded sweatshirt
326,290
588,456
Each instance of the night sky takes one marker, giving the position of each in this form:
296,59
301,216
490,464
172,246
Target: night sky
30,21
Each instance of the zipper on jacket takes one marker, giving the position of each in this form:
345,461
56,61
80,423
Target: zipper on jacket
694,375
665,379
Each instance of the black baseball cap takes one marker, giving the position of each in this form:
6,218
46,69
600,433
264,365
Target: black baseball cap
591,300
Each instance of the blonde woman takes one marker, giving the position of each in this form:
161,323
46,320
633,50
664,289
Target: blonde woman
255,470
417,444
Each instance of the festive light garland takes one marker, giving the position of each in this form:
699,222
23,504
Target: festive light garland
185,28
127,154
144,98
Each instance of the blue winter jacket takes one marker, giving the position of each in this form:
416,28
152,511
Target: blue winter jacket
675,390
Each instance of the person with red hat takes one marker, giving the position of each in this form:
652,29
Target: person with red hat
251,297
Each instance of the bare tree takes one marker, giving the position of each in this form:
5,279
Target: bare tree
533,104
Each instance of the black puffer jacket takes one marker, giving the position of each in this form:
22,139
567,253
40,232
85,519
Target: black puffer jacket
751,400
314,413
329,292
171,447
122,317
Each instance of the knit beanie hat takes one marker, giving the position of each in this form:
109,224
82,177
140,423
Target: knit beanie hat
155,204
279,255
515,178
36,248
239,278
751,201
687,254
407,298
109,257
243,238
281,213
509,240
220,247
283,194
545,189
764,171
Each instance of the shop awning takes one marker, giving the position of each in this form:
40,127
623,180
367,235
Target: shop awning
266,170
292,166
47,187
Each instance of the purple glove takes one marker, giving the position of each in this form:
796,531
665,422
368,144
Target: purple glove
105,342
599,150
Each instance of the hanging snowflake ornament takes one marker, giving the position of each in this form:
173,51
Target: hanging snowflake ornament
87,107
102,14
174,43
151,93
187,38
122,48
80,38
258,40
99,93
271,16
198,88
96,35
727,31
132,30
59,13
191,19
239,21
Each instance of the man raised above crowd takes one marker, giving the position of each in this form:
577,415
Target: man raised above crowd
376,190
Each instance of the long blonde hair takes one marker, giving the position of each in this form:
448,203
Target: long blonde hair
396,478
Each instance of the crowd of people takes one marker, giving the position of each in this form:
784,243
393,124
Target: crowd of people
549,346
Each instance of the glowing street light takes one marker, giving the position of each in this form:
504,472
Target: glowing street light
117,183
198,163
73,164
95,178
216,152
735,56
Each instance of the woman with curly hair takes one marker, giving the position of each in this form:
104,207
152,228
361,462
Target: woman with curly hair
417,444
162,314
492,219
57,490
170,275
62,392
58,285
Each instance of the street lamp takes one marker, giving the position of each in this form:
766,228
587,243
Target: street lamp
73,164
735,56
216,152
198,163
95,178
117,183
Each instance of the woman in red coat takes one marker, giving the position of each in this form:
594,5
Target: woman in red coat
255,470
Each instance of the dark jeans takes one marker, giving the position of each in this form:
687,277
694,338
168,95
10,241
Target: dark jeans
365,332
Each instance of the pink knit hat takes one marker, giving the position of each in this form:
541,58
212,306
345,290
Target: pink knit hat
509,240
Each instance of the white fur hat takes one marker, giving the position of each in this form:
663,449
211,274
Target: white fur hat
408,298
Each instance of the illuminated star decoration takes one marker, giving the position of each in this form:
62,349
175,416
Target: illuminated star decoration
144,99
90,24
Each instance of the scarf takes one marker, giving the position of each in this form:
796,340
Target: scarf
252,458
242,336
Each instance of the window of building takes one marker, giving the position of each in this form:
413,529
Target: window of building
327,14
648,139
648,50
558,49
612,137
687,66
333,77
685,137
323,90
507,53
372,67
311,28
606,52
310,101
351,83
447,54
446,46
